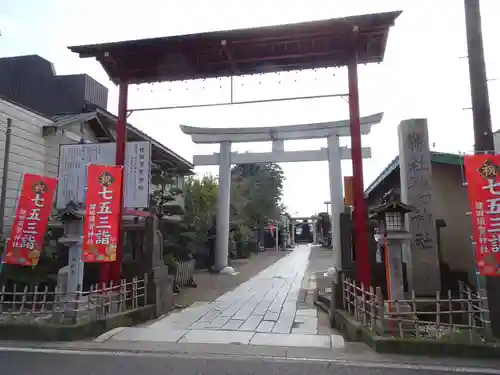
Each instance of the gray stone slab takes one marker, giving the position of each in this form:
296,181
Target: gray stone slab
197,310
251,323
220,307
284,323
282,328
260,313
287,316
276,309
233,308
216,337
283,292
246,310
209,316
276,305
149,334
306,319
265,326
281,296
181,319
271,316
165,323
265,303
290,307
296,340
233,325
199,325
218,322
337,341
306,312
305,330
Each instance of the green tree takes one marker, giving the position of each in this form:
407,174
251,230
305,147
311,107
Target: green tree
164,194
200,208
257,193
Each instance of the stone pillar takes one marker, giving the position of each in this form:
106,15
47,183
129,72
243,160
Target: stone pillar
395,267
416,190
151,262
276,229
279,145
75,274
293,232
395,242
73,239
336,196
314,231
289,234
222,225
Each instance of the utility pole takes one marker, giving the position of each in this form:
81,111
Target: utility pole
3,190
483,133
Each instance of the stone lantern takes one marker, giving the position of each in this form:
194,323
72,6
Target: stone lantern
393,235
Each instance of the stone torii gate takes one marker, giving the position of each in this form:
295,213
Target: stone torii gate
332,131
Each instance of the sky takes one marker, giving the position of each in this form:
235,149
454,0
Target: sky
424,74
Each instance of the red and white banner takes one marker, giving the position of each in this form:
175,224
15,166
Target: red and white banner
102,213
483,185
30,224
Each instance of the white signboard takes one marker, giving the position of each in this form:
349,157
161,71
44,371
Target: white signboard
73,162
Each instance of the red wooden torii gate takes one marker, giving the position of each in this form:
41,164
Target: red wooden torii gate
319,44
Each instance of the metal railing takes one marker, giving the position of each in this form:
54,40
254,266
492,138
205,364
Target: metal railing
462,317
40,305
184,272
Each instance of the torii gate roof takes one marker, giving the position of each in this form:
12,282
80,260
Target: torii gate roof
306,45
284,132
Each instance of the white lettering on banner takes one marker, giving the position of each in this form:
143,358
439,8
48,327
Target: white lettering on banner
102,234
91,230
481,226
73,162
488,221
38,201
27,225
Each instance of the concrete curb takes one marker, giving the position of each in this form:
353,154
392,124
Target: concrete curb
265,355
107,335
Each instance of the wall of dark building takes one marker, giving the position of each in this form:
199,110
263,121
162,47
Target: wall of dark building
31,81
392,181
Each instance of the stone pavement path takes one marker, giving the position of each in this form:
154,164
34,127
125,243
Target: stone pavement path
261,311
212,285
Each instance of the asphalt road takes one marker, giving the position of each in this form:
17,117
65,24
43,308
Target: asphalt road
43,363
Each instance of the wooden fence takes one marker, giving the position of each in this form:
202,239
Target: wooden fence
461,317
35,305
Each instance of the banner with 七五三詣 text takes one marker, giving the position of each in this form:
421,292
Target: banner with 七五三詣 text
483,186
30,224
102,213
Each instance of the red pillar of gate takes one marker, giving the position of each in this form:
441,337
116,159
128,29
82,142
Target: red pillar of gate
112,271
360,212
